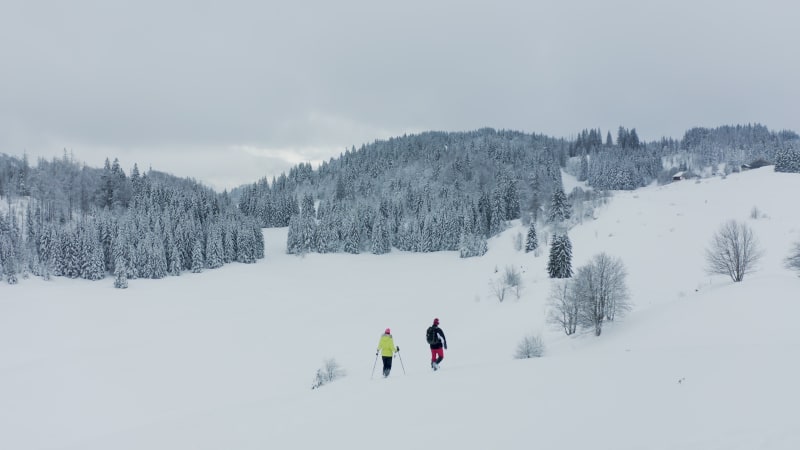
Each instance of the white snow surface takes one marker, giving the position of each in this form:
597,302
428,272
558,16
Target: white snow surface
225,359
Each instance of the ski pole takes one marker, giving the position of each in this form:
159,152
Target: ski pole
373,365
401,361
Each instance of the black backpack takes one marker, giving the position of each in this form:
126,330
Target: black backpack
432,336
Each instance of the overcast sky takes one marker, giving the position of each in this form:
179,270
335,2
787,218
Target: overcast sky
230,91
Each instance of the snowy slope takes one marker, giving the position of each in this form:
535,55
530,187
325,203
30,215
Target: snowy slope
225,359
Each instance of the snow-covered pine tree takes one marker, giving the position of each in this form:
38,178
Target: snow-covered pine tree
484,214
258,240
787,160
328,234
583,170
70,257
92,263
508,190
10,243
197,255
229,242
144,258
531,242
301,235
352,241
307,207
381,243
106,235
158,256
427,235
560,263
559,207
173,257
214,253
246,245
120,274
450,230
294,237
497,219
471,245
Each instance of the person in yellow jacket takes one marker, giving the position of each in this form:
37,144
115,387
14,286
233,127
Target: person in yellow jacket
387,349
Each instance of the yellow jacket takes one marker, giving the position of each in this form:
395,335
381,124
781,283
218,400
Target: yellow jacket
386,345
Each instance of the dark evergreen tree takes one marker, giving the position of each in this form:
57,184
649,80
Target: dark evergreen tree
633,139
560,263
531,243
787,160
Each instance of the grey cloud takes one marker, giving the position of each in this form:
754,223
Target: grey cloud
167,78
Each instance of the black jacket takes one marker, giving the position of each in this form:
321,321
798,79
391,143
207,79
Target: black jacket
443,340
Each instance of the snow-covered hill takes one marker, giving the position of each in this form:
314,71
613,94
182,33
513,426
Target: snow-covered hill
225,359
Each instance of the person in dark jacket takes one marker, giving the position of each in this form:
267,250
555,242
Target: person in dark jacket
387,350
438,344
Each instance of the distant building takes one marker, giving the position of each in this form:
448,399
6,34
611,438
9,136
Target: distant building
679,176
757,164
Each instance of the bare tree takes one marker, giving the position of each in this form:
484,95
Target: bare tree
734,251
793,261
600,290
563,306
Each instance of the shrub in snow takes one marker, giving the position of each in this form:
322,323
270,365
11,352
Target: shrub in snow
793,261
513,279
530,347
756,213
498,288
518,242
330,371
509,280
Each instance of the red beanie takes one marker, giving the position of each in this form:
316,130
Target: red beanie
388,331
436,321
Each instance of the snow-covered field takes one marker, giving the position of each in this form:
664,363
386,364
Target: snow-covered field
226,359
